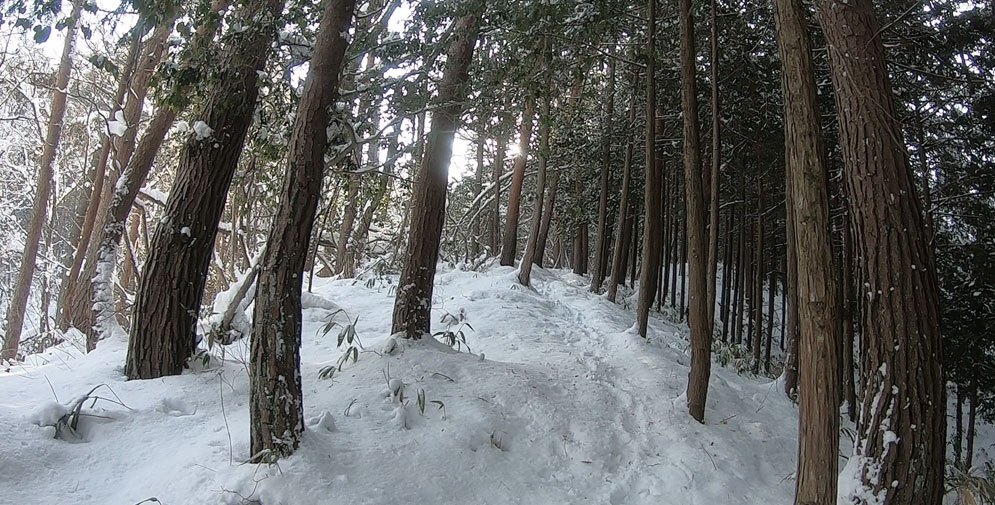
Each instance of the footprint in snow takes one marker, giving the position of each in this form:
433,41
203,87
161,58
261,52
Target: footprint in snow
176,407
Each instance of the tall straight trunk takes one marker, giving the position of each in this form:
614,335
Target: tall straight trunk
476,239
791,275
532,252
972,419
413,304
651,200
495,222
624,235
771,294
509,247
700,325
742,270
848,312
549,205
601,244
683,261
43,189
276,405
634,250
958,427
163,329
807,183
727,268
904,392
713,213
665,249
758,283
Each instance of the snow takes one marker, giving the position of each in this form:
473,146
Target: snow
568,407
201,130
118,125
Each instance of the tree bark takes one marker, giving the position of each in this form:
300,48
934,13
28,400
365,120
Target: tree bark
509,247
276,405
652,234
601,244
495,223
701,327
713,213
413,304
163,330
902,430
43,189
532,252
818,423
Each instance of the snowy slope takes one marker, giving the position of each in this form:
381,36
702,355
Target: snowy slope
560,402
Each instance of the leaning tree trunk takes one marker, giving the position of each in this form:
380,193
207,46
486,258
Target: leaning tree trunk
94,313
899,455
276,406
19,300
818,430
653,232
413,305
697,241
167,306
509,246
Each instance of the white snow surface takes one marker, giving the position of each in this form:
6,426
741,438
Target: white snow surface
568,407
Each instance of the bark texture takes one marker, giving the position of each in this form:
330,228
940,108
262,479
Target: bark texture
818,443
167,306
413,305
899,455
276,406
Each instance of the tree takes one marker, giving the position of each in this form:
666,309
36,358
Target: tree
697,251
43,190
532,253
818,443
276,404
509,246
413,304
652,226
713,199
899,455
167,305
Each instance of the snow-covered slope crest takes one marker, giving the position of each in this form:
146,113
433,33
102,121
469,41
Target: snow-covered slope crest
558,403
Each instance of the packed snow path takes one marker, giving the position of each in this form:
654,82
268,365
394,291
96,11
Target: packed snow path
559,402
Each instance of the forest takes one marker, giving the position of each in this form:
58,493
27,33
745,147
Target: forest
455,251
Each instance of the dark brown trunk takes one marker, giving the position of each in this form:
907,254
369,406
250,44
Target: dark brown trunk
413,304
532,254
276,405
163,331
902,429
713,213
698,321
652,234
958,427
972,419
601,244
509,247
624,235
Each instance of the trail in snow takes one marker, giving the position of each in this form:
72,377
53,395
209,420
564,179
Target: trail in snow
568,405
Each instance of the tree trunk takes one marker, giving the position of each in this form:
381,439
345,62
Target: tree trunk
902,430
758,281
276,404
601,244
818,423
847,312
43,189
624,235
495,224
958,427
413,304
652,234
532,251
972,418
713,213
509,247
701,327
163,331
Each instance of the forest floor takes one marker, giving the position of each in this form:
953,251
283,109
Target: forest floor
559,401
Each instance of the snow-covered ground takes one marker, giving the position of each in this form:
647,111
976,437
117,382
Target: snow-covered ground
559,402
